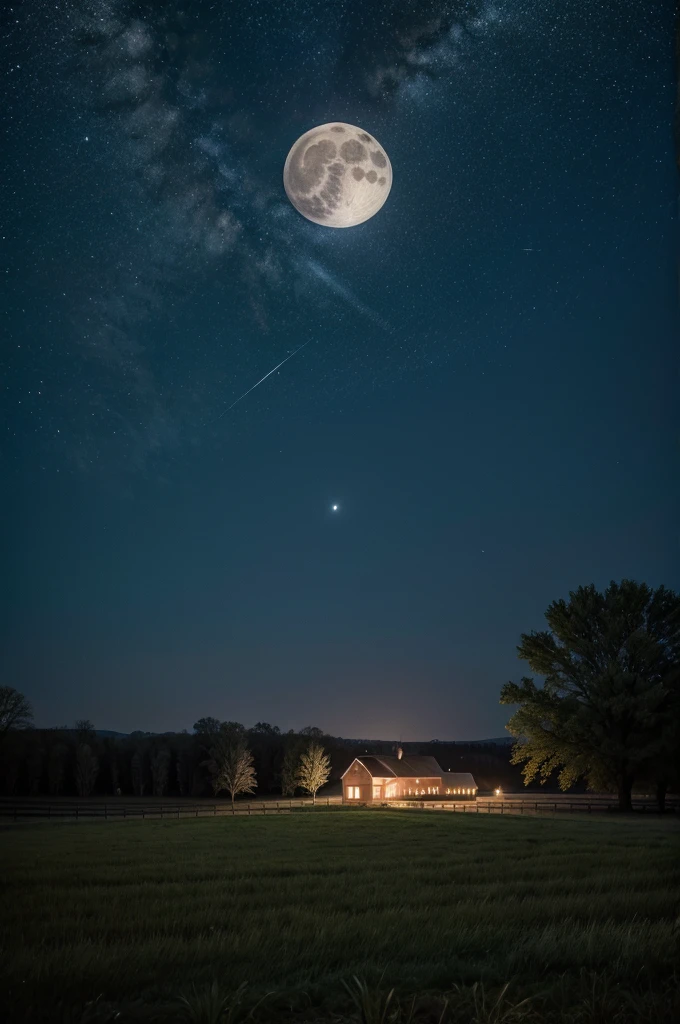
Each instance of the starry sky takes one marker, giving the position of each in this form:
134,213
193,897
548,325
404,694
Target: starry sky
485,389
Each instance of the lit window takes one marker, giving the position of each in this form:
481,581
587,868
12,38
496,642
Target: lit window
353,793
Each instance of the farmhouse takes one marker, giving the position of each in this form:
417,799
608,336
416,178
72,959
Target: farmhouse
382,777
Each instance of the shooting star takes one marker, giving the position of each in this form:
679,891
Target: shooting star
278,366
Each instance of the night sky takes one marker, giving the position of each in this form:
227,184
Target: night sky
486,389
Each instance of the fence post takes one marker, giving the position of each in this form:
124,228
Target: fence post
76,812
521,808
502,806
105,812
143,813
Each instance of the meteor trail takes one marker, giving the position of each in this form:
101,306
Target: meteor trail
224,411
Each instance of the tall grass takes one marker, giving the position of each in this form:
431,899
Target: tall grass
149,913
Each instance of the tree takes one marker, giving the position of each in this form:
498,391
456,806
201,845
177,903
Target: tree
207,726
185,768
160,770
87,769
610,702
56,767
84,730
289,769
35,762
137,772
231,765
266,729
16,711
111,751
314,769
312,731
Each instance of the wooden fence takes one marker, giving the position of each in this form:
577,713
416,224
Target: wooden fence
541,806
115,810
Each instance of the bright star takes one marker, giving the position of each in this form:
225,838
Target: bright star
335,507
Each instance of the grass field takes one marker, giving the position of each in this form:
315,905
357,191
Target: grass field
579,915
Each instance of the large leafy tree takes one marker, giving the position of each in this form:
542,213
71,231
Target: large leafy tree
610,702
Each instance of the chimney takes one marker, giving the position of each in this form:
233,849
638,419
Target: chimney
400,753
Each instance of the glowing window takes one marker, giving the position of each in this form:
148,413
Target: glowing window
353,793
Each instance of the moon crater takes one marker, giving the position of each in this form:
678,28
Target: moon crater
318,186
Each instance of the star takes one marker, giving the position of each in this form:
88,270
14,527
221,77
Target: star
335,508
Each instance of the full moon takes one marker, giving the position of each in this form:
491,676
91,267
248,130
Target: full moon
337,175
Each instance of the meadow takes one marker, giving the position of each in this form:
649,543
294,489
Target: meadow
577,917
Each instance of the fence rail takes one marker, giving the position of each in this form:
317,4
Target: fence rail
525,806
58,809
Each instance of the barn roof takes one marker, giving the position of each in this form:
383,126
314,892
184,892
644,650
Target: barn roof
410,767
387,766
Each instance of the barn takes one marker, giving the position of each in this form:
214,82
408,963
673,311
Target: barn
378,778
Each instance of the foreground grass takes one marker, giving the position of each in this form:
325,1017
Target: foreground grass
143,912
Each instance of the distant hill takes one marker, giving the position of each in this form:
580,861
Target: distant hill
500,740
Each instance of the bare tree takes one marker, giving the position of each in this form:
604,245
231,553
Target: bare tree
160,770
87,769
16,711
314,769
231,764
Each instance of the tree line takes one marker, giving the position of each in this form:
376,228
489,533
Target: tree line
218,757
